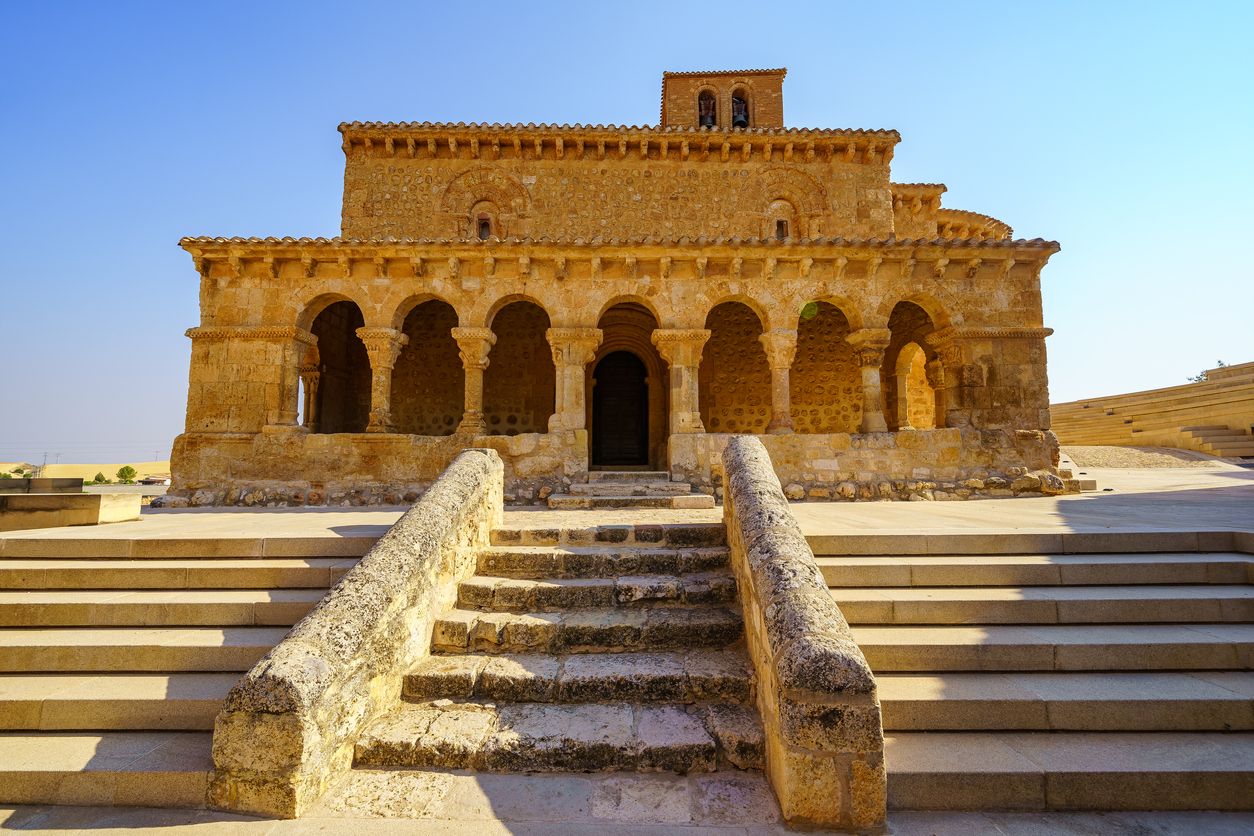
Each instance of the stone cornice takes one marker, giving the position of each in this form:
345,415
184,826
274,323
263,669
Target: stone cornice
251,332
981,332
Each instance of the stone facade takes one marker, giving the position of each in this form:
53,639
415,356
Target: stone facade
617,296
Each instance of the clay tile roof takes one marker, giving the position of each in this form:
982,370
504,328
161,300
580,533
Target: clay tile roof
700,73
919,187
445,127
837,241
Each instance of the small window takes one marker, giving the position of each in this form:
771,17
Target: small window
740,109
707,110
484,228
781,229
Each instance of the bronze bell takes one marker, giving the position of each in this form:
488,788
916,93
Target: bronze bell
707,120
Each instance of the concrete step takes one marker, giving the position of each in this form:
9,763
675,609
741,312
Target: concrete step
1170,701
517,595
683,677
109,701
537,737
631,489
118,649
662,535
119,608
1047,604
211,573
597,561
1076,771
1058,647
586,631
170,548
628,476
572,502
1036,569
142,769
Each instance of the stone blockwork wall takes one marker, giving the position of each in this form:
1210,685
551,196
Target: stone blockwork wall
826,383
816,694
288,728
947,464
735,381
427,382
519,383
764,90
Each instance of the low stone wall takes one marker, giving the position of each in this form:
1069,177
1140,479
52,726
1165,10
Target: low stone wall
945,464
816,694
289,726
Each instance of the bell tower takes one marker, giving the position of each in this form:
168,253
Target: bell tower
723,99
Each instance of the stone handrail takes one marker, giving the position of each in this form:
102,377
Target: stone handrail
815,692
289,726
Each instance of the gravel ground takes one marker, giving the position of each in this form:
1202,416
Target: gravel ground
1139,457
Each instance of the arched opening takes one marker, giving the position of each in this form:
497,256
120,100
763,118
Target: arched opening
620,411
427,381
520,382
826,381
707,110
903,375
740,108
343,370
781,220
635,412
483,223
734,381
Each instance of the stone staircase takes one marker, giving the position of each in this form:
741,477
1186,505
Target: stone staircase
116,655
1020,680
611,648
1220,440
630,489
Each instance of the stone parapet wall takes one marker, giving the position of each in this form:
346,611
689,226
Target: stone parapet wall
945,464
288,727
816,693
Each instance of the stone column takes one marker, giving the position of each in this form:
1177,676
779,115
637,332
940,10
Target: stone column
869,345
681,349
474,345
781,348
310,377
383,346
573,349
935,370
951,411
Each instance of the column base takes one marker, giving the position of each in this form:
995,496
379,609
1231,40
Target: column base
873,424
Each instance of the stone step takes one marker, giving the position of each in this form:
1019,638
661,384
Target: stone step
1059,647
142,769
536,737
169,548
572,502
1036,570
661,535
109,701
210,573
631,489
995,544
691,676
1075,771
1170,701
586,631
119,608
547,562
498,594
1047,604
118,649
628,476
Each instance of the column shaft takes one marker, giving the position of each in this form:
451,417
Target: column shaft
573,349
681,349
781,348
869,345
474,345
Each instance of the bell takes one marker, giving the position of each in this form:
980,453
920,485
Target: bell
740,121
707,120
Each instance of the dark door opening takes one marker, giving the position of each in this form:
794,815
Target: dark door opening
620,411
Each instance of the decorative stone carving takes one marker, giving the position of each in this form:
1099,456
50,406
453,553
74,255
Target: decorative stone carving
681,349
473,345
573,349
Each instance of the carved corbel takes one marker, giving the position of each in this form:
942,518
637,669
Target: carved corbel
907,268
938,269
388,146
841,263
454,267
559,148
237,265
630,261
431,146
452,146
725,152
596,267
308,266
683,150
703,264
873,267
474,148
973,267
851,148
559,268
518,147
768,268
746,150
538,143
644,149
409,147
662,148
1006,267
489,265
496,148
380,267
600,149
415,264
524,266
804,267
737,267
271,267
809,152
622,149
202,265
787,152
368,144
346,265
579,149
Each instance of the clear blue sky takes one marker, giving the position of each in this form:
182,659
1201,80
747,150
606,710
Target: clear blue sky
1122,130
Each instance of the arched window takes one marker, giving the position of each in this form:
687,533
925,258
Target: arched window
483,226
781,220
707,110
740,108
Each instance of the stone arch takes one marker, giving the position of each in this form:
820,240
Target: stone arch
759,310
520,382
936,310
915,404
428,384
317,304
627,325
707,107
741,91
910,324
795,186
505,301
734,381
342,404
630,299
484,185
826,380
402,308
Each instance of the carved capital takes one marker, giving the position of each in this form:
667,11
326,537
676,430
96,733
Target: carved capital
573,346
935,371
781,347
383,345
681,346
869,344
473,345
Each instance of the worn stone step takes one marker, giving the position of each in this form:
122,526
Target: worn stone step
631,489
691,676
628,476
209,573
113,701
537,737
119,608
1059,647
1168,701
1035,569
142,769
502,594
120,649
573,502
586,631
1047,604
1074,771
169,548
597,561
656,535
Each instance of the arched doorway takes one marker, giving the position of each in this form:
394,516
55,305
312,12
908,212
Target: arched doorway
620,411
343,404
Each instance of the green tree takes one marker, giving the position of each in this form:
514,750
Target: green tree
98,479
126,474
